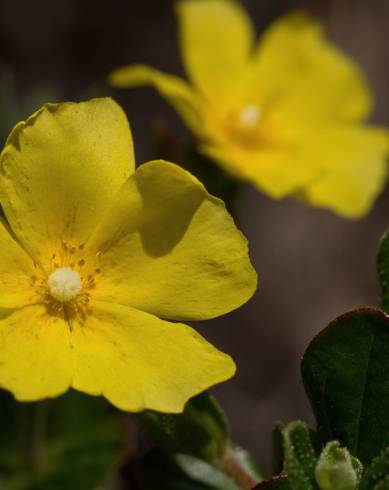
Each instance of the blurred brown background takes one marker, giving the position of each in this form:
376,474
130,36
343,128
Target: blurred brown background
312,264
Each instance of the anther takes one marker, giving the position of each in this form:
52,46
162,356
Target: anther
249,116
64,284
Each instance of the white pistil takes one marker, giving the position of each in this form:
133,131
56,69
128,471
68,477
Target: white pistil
249,116
64,284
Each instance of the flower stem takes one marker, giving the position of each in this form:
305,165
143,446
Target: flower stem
233,468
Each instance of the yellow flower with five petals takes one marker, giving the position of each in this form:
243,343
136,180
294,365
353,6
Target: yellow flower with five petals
287,114
95,255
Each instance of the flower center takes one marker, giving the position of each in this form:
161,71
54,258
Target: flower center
249,116
64,284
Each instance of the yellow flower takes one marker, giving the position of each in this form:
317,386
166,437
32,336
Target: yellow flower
94,254
286,115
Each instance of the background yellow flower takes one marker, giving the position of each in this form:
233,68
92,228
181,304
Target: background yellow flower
287,115
94,254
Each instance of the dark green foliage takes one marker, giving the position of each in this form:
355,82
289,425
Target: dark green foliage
201,430
71,442
278,448
162,471
346,376
383,270
195,450
376,476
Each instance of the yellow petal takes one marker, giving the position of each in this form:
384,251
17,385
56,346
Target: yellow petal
341,168
297,65
175,90
356,171
17,273
35,354
277,171
60,169
169,248
140,362
216,39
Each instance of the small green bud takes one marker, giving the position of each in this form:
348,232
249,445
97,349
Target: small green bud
337,469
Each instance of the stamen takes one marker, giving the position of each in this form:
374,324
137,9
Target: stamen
249,116
64,284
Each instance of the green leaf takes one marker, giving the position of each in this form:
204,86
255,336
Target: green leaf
337,469
376,476
383,270
205,473
346,376
71,442
157,470
278,448
162,471
383,484
300,459
275,483
201,430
